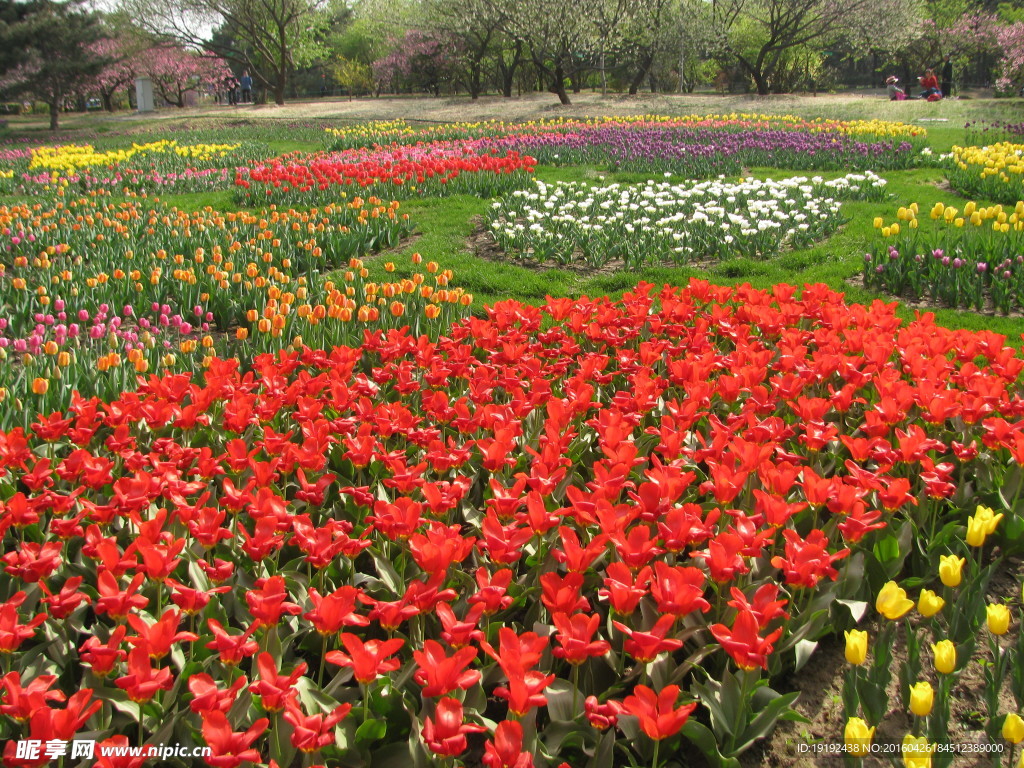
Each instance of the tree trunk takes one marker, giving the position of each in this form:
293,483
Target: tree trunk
761,83
54,114
108,100
474,80
508,71
558,85
279,88
638,80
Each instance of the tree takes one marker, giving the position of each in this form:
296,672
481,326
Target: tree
558,33
53,45
1011,67
354,76
176,72
267,37
757,34
121,69
477,27
419,61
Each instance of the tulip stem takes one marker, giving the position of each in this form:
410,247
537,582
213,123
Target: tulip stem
323,653
654,759
575,688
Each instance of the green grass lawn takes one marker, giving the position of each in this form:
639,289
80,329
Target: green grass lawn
445,227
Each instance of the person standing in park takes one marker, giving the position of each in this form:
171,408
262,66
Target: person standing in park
231,86
947,77
246,83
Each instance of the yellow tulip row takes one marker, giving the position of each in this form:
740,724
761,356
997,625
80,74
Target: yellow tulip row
69,158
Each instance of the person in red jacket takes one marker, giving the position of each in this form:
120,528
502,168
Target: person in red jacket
930,86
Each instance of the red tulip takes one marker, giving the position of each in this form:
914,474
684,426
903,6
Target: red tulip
602,716
647,646
230,749
142,681
678,590
743,643
807,561
12,632
576,637
506,750
311,733
274,689
116,602
232,649
102,657
335,610
268,601
32,562
19,703
207,697
658,715
440,674
623,590
158,638
445,733
492,590
368,660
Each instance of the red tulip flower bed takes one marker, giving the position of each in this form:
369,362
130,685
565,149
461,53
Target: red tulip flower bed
536,540
423,170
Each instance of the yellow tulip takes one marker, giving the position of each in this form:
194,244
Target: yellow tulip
929,603
858,737
917,753
986,519
950,569
892,601
922,697
856,646
998,618
1013,728
945,656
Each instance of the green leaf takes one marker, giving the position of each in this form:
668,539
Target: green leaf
803,651
559,696
766,719
371,731
857,608
706,742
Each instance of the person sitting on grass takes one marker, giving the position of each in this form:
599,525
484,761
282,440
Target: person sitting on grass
895,92
930,86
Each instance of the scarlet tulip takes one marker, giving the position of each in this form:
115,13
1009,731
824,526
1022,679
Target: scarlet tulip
576,637
368,660
743,643
657,712
506,749
274,689
440,674
311,733
142,681
230,749
445,733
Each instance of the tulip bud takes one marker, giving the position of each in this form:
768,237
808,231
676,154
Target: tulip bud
929,603
1013,728
922,697
856,646
892,601
917,752
950,569
998,617
858,737
945,656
